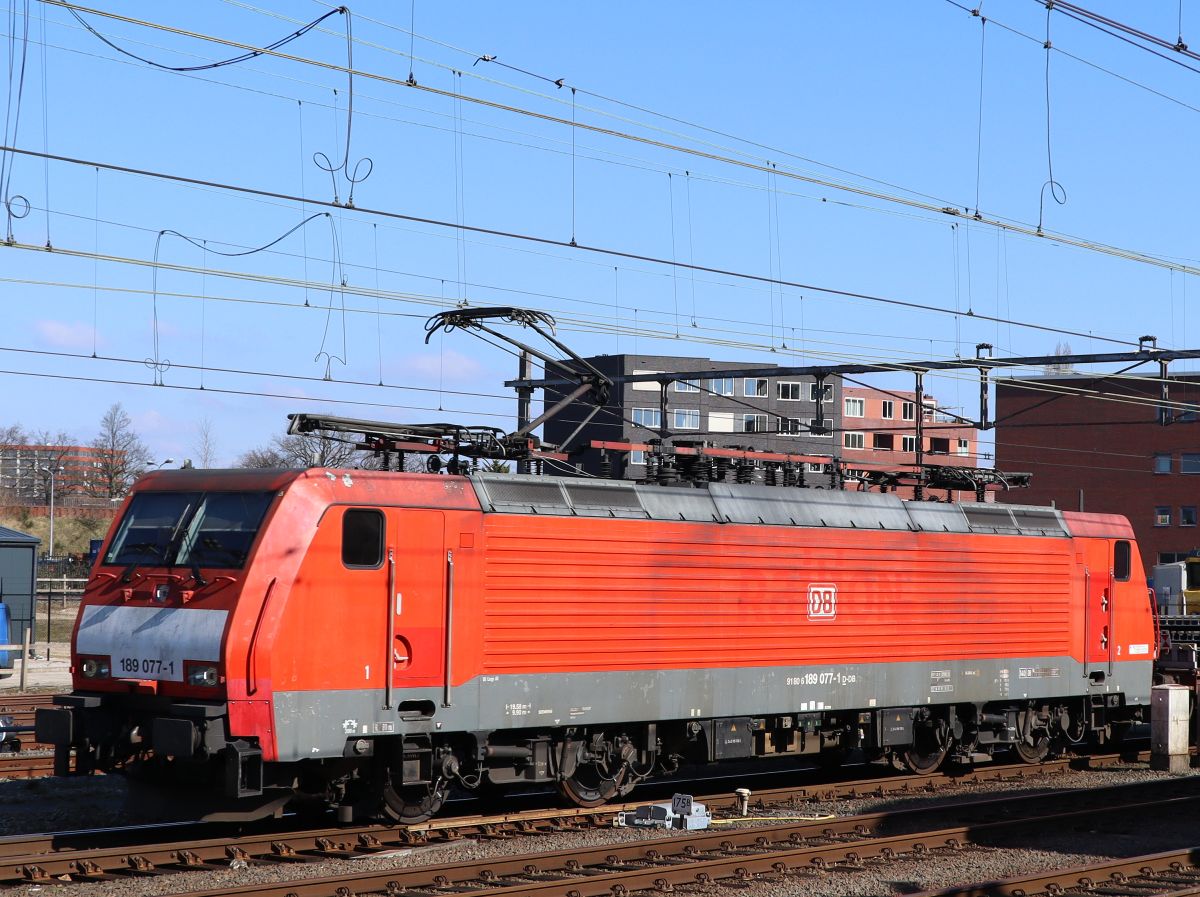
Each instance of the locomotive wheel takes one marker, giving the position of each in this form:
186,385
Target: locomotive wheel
931,743
1033,753
588,787
411,804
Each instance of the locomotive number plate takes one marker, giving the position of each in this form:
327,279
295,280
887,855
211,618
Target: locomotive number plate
822,601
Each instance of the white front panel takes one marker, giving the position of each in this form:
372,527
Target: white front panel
151,642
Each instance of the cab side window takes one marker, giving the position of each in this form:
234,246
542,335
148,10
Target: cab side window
1121,561
362,537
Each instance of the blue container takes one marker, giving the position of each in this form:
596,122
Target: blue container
6,659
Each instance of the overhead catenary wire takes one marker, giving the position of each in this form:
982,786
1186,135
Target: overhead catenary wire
823,200
592,326
1096,246
713,322
1017,32
1056,389
114,381
548,241
1126,33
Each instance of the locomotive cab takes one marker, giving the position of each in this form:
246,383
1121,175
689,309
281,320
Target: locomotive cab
149,666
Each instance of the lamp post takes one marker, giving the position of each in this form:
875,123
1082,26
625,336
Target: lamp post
164,461
52,471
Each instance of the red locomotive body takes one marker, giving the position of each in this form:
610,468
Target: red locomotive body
359,635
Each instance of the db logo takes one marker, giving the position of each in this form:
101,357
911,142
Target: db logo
822,601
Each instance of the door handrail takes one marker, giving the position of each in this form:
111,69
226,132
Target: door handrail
252,651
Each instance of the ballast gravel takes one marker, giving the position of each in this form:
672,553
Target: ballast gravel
65,804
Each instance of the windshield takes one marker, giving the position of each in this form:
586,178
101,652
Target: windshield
207,529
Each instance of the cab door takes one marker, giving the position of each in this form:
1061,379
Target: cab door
418,572
1098,611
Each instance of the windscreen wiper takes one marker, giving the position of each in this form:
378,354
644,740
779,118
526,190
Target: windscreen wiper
139,547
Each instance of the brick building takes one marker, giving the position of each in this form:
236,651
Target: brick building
770,414
23,474
767,414
1107,453
879,428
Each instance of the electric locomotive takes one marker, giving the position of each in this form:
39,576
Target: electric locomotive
369,639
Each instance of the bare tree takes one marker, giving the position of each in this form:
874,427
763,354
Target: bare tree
50,452
13,434
205,443
1058,367
301,450
122,454
263,457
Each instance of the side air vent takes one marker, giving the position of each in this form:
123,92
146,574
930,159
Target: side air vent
989,519
1038,521
595,495
510,493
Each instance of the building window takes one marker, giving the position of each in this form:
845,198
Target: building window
687,385
1162,463
855,407
755,387
647,417
720,422
646,386
853,440
721,386
754,423
816,467
939,445
788,391
637,456
821,432
883,442
889,410
1162,516
908,410
908,443
687,418
826,393
963,447
1189,462
1187,515
1172,557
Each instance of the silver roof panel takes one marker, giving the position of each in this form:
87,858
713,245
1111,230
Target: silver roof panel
753,504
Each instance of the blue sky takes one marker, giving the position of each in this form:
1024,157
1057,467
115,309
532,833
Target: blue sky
881,96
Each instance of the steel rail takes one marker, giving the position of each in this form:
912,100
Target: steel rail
492,825
91,864
31,848
743,855
19,766
1174,872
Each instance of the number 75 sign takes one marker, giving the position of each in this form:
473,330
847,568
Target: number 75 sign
822,601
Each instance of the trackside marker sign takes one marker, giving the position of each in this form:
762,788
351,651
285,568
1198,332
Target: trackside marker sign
822,601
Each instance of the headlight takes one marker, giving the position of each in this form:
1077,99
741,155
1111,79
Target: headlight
95,667
202,674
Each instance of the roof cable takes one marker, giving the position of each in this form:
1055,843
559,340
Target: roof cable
1056,189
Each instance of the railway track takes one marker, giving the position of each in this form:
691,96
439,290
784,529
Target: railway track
767,855
1173,873
94,856
22,709
22,766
